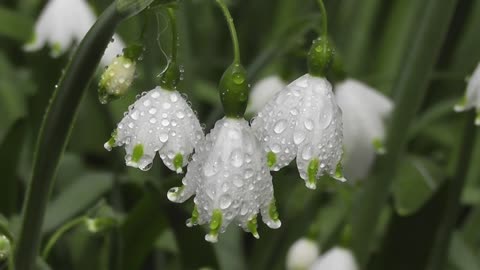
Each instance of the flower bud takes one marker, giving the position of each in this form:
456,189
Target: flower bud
320,57
302,254
5,247
116,79
234,90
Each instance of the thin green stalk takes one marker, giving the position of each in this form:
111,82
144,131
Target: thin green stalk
439,256
410,90
233,32
55,129
324,25
173,21
59,233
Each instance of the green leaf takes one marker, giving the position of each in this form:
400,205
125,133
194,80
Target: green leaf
15,26
461,255
81,194
418,179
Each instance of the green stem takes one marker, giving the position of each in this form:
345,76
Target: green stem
173,21
410,90
450,214
56,127
66,227
324,25
233,32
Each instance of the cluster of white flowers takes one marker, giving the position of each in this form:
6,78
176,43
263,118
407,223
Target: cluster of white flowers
304,255
64,22
229,171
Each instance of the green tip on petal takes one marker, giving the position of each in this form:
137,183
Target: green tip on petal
178,163
194,219
56,49
339,173
477,119
460,106
312,174
252,227
271,159
111,142
379,146
215,225
174,192
137,153
272,211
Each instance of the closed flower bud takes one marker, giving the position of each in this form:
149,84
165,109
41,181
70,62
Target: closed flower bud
472,95
303,121
230,180
64,22
302,254
263,91
365,112
5,247
116,79
159,121
336,258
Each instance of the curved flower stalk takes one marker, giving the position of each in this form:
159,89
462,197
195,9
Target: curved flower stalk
302,254
303,121
230,180
263,91
472,95
63,22
365,112
337,258
159,121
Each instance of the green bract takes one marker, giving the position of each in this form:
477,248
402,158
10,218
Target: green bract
234,90
170,78
320,57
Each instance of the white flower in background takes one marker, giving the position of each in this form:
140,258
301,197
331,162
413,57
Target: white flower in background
364,115
302,254
303,121
159,121
472,95
230,180
263,91
336,258
5,247
64,22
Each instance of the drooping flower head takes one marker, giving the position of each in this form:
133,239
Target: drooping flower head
303,121
337,258
262,92
472,95
302,254
159,121
365,112
230,180
64,22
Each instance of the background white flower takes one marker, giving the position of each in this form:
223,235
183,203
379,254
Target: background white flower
303,121
263,91
302,254
337,258
472,95
65,22
231,180
365,112
162,121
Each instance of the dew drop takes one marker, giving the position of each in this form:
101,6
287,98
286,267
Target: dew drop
134,115
308,124
236,158
165,122
152,111
298,137
280,126
225,201
163,137
155,94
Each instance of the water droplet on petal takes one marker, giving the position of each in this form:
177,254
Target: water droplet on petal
225,201
280,126
308,124
236,158
298,137
163,137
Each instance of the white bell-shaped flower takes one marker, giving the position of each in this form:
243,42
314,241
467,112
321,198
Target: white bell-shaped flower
302,254
263,91
472,95
64,22
303,121
159,121
365,112
337,258
230,180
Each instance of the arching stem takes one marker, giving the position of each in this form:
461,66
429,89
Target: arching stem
324,26
233,32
